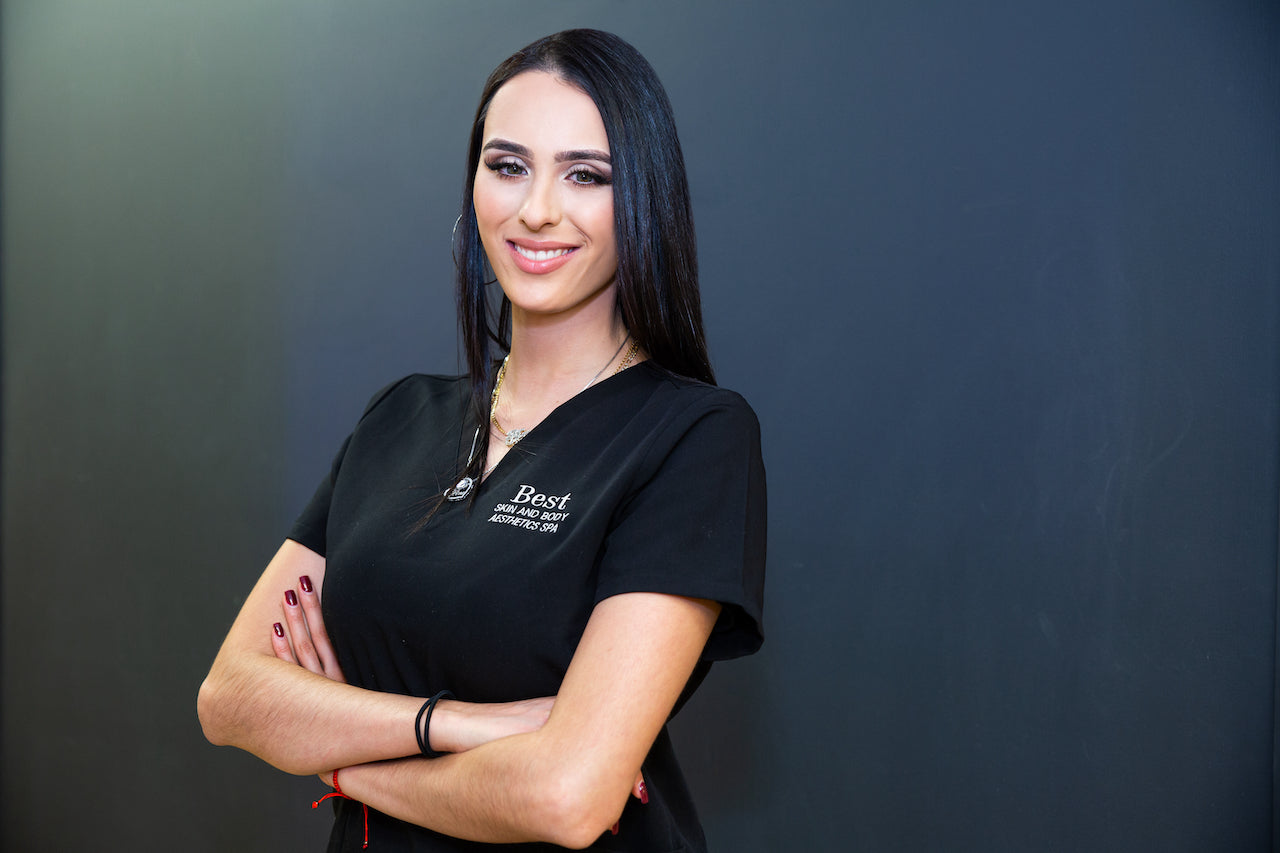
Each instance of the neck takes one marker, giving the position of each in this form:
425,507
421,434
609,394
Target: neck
547,355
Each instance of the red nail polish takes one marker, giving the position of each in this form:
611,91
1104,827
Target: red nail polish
291,598
644,794
279,629
305,583
614,828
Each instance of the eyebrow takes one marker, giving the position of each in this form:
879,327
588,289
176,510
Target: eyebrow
561,157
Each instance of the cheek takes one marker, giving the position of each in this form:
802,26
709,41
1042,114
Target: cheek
604,228
487,202
491,206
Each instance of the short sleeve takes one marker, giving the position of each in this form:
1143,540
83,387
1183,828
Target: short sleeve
697,527
310,527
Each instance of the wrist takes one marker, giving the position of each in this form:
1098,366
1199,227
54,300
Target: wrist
442,734
422,726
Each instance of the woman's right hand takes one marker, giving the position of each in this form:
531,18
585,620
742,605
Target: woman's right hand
300,637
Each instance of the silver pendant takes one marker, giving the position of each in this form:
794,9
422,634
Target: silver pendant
460,490
514,436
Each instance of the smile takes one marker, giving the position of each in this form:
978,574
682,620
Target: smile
539,261
541,255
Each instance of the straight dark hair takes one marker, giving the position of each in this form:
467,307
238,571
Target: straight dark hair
657,279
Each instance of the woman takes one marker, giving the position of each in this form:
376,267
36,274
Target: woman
563,539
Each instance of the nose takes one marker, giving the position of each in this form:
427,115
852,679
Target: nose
541,207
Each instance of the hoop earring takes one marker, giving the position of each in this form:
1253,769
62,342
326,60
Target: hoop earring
453,241
453,250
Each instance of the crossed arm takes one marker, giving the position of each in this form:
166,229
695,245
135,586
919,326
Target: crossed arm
556,769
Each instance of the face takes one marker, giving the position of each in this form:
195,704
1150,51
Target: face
544,201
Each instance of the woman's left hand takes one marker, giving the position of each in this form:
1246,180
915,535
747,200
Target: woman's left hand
301,637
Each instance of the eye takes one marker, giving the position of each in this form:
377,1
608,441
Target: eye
505,168
583,176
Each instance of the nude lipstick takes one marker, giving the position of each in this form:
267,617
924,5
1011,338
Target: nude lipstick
538,258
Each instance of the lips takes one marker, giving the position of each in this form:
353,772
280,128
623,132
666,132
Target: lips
539,259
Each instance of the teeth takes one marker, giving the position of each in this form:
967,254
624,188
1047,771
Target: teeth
540,256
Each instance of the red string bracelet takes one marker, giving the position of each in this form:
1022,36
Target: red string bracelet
337,792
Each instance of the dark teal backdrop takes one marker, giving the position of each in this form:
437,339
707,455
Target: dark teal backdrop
1002,280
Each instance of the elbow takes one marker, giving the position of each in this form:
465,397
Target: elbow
222,705
579,810
208,709
579,839
217,705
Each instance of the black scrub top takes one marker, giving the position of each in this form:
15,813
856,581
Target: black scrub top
645,482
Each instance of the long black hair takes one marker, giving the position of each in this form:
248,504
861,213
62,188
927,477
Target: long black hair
657,279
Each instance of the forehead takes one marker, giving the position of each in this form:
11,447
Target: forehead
543,112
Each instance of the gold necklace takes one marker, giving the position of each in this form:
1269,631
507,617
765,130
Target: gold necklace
516,434
513,437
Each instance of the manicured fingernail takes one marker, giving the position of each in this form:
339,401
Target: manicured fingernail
291,598
644,794
614,828
305,583
279,629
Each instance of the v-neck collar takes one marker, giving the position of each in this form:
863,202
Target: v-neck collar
567,410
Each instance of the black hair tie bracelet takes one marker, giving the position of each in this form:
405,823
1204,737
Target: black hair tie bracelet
422,728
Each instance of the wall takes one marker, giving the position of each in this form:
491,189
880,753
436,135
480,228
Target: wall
1001,280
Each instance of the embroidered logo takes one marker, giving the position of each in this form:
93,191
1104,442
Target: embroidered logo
532,510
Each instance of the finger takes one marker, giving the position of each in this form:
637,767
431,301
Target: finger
310,601
639,791
280,643
296,623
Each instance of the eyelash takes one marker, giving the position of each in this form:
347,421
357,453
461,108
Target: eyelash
497,167
594,178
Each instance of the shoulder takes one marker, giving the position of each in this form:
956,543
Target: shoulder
686,401
674,415
415,402
418,390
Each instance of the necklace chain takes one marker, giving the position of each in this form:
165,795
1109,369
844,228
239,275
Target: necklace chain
513,437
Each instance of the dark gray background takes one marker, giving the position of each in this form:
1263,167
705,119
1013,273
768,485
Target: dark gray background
1002,280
